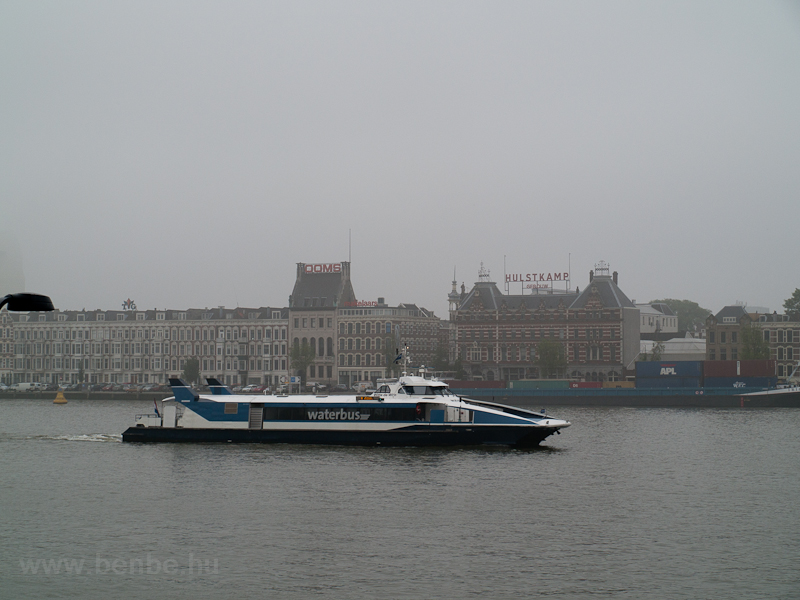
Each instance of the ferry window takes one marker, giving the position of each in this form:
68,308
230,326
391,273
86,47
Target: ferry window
390,414
384,389
231,408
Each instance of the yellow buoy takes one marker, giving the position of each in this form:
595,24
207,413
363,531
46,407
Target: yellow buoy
60,398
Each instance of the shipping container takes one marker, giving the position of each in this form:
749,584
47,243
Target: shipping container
465,384
619,384
673,368
585,384
539,384
740,368
740,382
667,382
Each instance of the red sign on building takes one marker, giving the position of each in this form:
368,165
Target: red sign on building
323,268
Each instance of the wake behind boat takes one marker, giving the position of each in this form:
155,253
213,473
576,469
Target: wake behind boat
408,411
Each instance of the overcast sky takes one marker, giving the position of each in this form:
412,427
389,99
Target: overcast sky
189,154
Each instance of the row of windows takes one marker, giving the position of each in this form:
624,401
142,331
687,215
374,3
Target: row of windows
588,333
313,322
528,353
787,336
319,345
781,336
359,344
368,328
97,364
561,314
204,334
357,360
254,364
145,348
140,316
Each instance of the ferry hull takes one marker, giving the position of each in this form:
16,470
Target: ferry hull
411,436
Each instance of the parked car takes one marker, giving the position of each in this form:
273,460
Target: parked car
26,387
3,387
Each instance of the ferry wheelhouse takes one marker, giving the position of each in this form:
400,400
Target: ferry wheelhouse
409,411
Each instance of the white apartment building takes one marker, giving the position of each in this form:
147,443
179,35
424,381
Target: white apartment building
237,346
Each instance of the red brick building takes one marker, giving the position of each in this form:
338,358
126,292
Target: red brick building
496,335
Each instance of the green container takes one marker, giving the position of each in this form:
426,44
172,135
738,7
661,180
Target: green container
539,384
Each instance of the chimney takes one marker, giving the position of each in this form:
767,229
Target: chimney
591,276
616,278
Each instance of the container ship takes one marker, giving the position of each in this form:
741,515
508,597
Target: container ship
717,383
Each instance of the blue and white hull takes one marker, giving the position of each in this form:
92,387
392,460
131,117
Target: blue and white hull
395,416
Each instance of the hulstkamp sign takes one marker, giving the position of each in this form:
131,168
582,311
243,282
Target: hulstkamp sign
536,277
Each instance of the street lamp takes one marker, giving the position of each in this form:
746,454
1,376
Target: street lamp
27,302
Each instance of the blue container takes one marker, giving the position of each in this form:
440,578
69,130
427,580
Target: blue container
740,382
667,382
672,368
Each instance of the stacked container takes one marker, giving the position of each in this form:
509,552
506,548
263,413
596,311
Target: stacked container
740,374
669,374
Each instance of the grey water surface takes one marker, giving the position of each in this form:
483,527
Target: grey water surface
626,503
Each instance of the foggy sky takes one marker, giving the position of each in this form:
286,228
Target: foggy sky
188,154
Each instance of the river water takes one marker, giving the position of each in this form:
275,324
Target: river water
626,503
